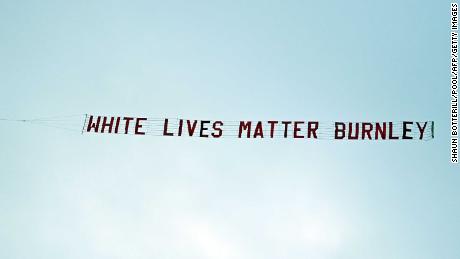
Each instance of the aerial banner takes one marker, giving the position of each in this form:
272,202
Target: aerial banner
259,129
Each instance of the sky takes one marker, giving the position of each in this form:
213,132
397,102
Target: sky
68,195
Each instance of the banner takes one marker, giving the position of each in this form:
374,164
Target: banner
258,129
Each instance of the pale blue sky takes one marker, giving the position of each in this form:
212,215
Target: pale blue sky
66,195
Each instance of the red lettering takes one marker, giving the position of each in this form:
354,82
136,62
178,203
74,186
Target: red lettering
117,124
139,126
258,131
93,125
203,128
181,122
216,126
272,127
341,130
379,130
244,126
127,120
421,129
350,130
286,125
297,129
165,129
105,124
191,127
367,128
312,127
391,131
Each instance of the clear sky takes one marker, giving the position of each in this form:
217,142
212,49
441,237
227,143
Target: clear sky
67,195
